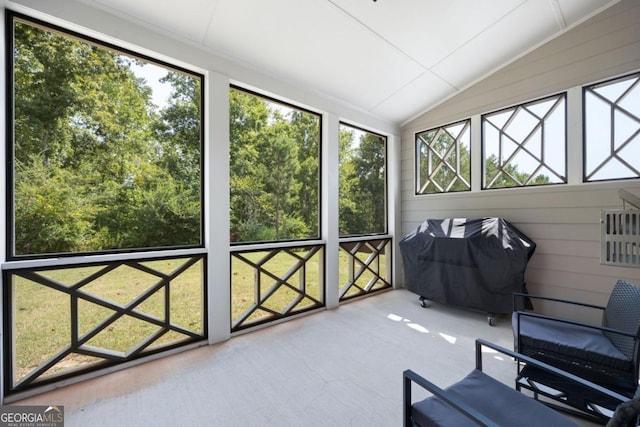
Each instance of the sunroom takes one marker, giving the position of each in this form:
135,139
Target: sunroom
226,183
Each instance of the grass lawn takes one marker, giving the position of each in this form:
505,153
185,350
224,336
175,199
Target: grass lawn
43,315
301,281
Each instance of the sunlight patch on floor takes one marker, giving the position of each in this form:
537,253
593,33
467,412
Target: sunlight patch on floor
418,328
409,323
448,338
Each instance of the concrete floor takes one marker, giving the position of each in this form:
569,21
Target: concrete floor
339,367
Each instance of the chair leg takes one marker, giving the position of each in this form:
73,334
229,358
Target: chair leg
406,399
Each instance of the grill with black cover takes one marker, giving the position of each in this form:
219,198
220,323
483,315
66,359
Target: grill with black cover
471,263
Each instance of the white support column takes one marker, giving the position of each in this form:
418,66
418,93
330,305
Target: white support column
575,147
476,153
329,211
394,157
217,207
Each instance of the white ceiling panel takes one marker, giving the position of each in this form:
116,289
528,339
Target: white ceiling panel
574,10
324,51
189,20
434,28
422,93
392,58
526,26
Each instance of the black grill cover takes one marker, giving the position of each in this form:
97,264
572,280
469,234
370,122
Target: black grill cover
473,263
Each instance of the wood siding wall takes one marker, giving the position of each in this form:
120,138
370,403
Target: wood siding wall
563,220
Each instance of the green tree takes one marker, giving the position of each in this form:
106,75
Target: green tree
362,183
49,215
279,167
370,168
274,170
445,163
45,94
509,175
95,166
178,130
248,118
348,210
305,130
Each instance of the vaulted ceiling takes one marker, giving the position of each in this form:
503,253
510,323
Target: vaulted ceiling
391,58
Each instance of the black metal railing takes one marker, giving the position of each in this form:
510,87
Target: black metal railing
365,266
68,320
270,284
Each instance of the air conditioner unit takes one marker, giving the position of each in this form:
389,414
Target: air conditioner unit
620,233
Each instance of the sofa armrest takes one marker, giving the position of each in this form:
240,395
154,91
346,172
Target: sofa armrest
454,402
518,296
544,366
409,376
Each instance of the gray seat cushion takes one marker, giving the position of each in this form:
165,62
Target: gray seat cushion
570,342
495,400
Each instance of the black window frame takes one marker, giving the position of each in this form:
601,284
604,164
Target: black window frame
386,180
564,97
588,89
10,18
416,184
320,138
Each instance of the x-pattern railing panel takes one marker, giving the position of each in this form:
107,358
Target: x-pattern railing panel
268,285
67,320
364,267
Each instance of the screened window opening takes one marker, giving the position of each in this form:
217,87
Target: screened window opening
274,170
105,155
525,145
106,147
612,129
365,255
443,159
362,182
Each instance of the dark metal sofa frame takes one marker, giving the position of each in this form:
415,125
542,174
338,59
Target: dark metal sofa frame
471,410
600,370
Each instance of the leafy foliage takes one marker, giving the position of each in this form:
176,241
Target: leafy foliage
362,202
97,167
444,159
274,170
509,175
445,164
275,174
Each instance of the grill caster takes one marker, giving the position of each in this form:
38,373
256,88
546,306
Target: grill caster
490,319
425,303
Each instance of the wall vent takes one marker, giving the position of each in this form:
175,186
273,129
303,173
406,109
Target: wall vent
620,233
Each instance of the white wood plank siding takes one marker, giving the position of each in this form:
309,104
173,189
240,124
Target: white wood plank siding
563,220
